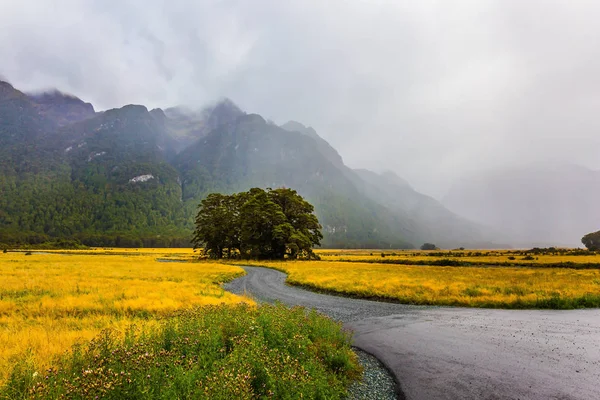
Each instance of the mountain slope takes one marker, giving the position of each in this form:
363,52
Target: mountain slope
62,108
424,219
251,152
130,176
79,180
432,221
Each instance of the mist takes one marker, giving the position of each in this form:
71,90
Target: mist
432,90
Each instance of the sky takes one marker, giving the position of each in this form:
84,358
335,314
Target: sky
432,90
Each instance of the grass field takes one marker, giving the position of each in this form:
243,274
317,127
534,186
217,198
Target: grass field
51,300
564,258
494,287
216,352
48,302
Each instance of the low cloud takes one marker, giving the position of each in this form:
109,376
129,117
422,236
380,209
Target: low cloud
433,90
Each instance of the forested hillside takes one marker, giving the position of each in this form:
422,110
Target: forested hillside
133,177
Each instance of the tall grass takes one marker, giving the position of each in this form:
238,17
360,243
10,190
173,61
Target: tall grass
215,352
48,302
492,287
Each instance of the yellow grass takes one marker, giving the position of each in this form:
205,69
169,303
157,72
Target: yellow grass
509,287
158,251
48,302
485,257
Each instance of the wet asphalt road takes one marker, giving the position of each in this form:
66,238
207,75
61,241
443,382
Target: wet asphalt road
460,353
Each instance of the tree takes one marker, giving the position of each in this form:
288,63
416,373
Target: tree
261,225
428,246
272,224
592,241
302,230
217,225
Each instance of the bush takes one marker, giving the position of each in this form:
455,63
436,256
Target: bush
428,246
218,352
592,241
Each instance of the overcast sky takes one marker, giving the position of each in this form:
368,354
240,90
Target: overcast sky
432,90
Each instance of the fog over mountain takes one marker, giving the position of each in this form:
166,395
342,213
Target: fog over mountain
434,91
536,205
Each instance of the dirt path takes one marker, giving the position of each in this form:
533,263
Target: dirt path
460,353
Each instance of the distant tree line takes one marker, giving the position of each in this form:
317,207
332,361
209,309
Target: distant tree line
128,239
261,224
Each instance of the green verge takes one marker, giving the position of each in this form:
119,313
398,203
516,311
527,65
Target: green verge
217,352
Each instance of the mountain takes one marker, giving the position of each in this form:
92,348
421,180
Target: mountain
251,152
537,205
432,221
132,177
61,108
422,217
187,126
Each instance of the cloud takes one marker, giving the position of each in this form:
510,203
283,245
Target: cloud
431,89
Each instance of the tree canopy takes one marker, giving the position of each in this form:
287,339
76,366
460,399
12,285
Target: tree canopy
592,241
428,246
265,224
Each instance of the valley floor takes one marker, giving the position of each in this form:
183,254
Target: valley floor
458,353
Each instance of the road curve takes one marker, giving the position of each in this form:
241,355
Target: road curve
460,353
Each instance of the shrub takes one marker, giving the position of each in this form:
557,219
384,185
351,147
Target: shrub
428,246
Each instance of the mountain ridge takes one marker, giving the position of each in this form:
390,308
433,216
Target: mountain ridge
138,175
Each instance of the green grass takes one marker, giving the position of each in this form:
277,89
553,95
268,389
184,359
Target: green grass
215,352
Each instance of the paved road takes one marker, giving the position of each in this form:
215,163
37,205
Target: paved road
459,353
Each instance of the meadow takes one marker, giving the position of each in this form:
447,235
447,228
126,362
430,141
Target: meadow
561,258
48,302
81,322
470,286
130,323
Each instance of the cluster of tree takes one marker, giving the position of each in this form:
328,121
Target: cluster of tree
429,246
264,224
592,241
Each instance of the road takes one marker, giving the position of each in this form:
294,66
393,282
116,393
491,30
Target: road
460,353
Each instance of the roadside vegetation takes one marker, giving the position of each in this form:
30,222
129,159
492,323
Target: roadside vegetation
216,352
492,287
